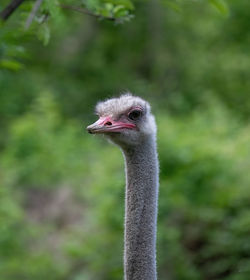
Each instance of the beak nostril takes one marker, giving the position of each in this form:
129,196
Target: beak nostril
108,123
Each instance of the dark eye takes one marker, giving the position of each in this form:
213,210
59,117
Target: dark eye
135,115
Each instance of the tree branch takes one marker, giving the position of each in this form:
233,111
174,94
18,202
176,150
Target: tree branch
87,12
4,15
7,12
33,13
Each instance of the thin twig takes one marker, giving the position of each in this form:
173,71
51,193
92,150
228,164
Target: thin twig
33,13
87,12
9,9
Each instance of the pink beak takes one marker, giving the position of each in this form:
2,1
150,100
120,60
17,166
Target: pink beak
106,124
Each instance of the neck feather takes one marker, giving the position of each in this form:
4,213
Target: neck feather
141,210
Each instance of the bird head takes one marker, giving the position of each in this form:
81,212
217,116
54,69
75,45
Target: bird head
126,120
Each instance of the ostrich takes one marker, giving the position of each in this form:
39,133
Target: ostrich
127,121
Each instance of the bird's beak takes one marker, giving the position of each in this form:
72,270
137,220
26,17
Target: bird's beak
106,124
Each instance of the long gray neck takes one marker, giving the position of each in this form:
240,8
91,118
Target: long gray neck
141,211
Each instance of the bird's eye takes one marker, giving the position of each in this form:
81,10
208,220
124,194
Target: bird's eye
135,115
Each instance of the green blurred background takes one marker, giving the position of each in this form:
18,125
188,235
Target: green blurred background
62,190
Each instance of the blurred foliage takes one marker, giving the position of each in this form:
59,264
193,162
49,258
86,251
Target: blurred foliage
62,191
204,218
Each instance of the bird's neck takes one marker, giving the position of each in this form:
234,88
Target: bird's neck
141,211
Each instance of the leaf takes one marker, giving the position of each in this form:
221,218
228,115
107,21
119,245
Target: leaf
53,7
221,6
120,11
109,7
10,64
126,3
104,12
44,33
174,6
